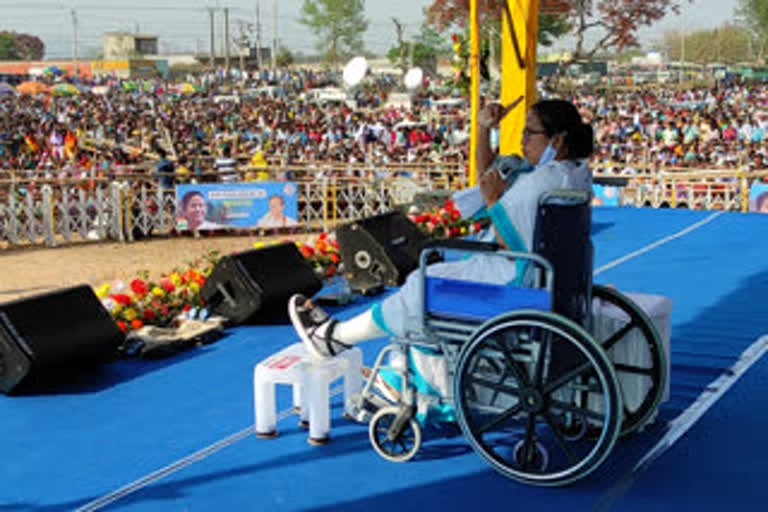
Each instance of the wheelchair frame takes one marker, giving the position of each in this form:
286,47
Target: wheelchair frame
584,405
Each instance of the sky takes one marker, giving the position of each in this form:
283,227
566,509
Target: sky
182,25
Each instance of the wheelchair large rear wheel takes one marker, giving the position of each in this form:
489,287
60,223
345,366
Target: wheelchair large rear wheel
520,390
636,352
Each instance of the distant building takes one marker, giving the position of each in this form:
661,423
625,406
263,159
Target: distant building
123,45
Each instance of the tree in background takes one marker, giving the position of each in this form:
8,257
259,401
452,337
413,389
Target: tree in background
423,51
727,44
447,14
615,24
17,46
339,26
284,57
754,15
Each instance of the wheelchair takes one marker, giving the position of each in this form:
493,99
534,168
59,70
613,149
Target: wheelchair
532,387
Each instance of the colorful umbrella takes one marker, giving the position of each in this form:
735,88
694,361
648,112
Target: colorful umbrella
188,88
64,90
129,85
6,88
32,88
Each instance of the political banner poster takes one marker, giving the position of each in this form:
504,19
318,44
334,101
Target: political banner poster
758,198
269,205
605,195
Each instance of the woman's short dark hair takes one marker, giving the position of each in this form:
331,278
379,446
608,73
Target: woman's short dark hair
761,200
560,116
186,198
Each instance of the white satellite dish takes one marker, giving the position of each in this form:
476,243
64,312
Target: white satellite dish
355,71
413,78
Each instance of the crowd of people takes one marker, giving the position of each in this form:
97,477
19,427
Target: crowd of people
243,123
646,131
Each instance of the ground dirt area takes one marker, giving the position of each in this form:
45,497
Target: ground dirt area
28,271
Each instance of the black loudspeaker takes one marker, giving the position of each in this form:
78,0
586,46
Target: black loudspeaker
254,286
379,251
47,337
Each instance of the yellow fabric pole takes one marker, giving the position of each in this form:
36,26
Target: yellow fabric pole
520,25
474,64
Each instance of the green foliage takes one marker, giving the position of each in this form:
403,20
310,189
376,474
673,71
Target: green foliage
17,46
552,28
7,46
339,26
727,44
754,15
284,57
426,50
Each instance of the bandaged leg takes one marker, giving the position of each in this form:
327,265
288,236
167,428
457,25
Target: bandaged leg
357,329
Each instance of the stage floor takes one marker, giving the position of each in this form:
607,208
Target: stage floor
176,434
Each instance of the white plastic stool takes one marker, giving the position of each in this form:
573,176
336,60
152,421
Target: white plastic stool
311,380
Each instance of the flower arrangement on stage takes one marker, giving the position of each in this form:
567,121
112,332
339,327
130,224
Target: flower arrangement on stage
145,301
445,222
322,254
142,301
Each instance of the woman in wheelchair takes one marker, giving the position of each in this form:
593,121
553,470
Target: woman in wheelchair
556,142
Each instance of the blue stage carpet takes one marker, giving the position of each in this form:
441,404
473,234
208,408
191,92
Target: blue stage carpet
175,434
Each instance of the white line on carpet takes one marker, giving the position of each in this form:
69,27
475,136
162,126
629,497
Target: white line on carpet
659,243
687,419
182,463
234,438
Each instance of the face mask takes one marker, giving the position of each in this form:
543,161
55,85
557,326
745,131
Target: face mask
548,155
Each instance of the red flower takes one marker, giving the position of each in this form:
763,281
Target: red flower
334,257
333,243
186,307
164,310
455,38
449,205
455,231
455,215
477,226
422,218
149,314
307,251
323,236
122,299
122,326
167,285
331,271
137,324
139,287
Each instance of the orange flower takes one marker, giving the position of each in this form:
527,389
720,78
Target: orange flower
137,324
122,326
334,257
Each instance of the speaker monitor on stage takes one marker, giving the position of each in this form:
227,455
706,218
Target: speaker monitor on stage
254,286
58,334
379,251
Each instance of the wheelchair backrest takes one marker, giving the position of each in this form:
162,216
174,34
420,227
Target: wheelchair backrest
562,237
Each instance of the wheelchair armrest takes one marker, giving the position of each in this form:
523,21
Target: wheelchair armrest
462,245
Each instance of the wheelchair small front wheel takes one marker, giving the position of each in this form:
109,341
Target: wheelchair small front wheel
395,434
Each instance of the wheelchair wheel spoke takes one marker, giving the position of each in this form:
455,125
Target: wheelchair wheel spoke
529,446
636,370
402,444
496,386
563,406
552,422
512,365
618,335
551,387
539,372
501,418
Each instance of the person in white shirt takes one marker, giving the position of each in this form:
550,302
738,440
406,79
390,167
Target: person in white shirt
557,142
275,218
